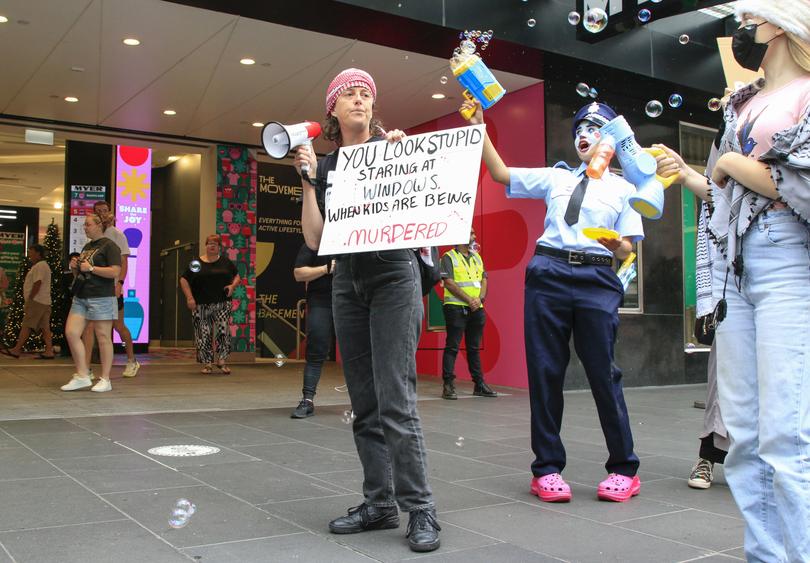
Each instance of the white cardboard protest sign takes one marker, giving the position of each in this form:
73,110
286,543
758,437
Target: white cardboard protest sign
417,192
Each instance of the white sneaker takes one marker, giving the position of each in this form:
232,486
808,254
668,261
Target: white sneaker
102,385
76,383
132,368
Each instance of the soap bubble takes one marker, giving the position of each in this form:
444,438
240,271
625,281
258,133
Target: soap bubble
675,101
467,47
644,15
181,513
443,80
714,104
573,18
532,22
596,19
583,90
593,92
348,417
195,266
683,39
460,441
280,359
654,108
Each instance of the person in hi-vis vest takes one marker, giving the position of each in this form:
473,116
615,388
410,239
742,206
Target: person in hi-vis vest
465,288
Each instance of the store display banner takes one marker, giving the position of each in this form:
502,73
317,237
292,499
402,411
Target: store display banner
82,199
133,197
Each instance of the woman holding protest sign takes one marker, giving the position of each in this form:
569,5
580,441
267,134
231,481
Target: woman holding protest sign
377,305
571,288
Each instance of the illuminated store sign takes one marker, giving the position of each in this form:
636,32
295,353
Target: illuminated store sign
133,196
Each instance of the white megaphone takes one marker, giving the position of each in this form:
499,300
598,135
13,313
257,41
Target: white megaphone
278,139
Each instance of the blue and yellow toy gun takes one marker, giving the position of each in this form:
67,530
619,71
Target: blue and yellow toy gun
479,83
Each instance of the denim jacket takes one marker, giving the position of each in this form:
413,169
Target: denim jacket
735,206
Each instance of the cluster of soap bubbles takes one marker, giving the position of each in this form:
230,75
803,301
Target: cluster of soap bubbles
348,417
596,20
586,91
469,38
280,360
182,512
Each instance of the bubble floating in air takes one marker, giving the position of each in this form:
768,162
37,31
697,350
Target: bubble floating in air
683,39
280,360
644,15
593,92
460,441
443,80
531,22
195,266
583,89
596,20
573,18
654,108
714,104
183,510
348,417
675,101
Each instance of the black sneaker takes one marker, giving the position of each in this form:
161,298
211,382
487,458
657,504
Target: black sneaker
483,390
449,391
423,530
365,518
304,409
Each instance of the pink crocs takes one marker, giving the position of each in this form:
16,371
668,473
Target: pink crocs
551,488
618,488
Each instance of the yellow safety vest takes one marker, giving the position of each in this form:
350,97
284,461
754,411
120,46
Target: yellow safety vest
466,274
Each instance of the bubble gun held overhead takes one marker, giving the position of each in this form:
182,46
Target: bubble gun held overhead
479,82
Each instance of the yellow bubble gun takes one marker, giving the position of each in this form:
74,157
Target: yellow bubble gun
478,81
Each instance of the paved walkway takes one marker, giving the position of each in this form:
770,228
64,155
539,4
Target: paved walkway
77,483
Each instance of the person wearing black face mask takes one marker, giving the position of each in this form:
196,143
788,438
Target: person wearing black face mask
760,190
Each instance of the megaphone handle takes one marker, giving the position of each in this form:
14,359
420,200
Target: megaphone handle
305,165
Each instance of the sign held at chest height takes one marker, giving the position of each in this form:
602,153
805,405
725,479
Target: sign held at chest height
417,192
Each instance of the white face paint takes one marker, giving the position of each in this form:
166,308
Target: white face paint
587,135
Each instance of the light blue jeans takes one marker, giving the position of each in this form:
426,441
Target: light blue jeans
763,374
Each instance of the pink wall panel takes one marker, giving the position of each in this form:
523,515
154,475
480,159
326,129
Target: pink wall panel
506,231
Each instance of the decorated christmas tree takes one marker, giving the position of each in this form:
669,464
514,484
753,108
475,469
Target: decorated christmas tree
15,312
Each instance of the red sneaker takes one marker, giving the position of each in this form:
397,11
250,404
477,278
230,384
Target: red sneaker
551,488
618,488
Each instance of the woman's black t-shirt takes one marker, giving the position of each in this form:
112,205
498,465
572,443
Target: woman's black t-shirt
318,290
208,285
101,252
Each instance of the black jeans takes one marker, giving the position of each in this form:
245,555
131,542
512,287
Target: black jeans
377,303
460,321
320,331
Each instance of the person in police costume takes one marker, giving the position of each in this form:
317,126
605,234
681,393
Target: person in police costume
465,288
571,288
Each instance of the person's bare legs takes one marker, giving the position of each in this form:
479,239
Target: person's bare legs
103,332
74,328
47,336
125,335
89,339
25,332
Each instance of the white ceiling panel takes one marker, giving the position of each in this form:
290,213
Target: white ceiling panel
25,46
168,34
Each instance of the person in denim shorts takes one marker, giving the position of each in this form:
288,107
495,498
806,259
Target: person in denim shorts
96,269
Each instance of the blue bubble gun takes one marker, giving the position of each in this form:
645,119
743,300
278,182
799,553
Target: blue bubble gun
479,83
639,169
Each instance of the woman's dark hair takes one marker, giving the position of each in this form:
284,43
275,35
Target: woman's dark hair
40,250
331,129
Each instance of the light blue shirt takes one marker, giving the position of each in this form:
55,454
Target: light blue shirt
605,205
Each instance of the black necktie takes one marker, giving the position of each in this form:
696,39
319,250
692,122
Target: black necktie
575,203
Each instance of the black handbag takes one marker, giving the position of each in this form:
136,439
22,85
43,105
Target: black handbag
706,325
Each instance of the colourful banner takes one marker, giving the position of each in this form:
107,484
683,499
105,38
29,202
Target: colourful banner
133,197
82,199
12,251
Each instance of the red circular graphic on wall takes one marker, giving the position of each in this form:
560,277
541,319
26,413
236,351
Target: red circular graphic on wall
134,156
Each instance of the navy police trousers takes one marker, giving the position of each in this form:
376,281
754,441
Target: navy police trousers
561,298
